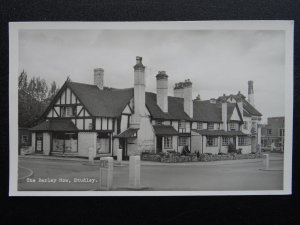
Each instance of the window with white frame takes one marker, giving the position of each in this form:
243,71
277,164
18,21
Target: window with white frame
90,126
183,141
181,124
210,126
199,125
217,126
211,141
225,141
243,141
168,142
24,139
233,126
269,131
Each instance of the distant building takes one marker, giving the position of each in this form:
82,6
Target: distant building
273,132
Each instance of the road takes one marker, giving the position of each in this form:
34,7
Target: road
58,175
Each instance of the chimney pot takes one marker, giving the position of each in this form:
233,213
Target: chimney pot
99,78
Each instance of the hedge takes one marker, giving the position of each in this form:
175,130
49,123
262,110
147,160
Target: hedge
177,158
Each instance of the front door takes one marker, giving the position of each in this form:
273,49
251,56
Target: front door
122,145
158,144
39,143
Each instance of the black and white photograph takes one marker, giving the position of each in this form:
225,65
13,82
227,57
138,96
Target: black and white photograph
151,108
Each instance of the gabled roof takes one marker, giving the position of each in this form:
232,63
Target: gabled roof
162,130
106,103
249,110
205,111
175,108
55,125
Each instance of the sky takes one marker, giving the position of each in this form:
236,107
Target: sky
216,61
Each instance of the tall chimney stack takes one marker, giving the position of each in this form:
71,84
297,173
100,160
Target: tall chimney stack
98,77
250,92
188,98
139,92
178,90
224,112
162,90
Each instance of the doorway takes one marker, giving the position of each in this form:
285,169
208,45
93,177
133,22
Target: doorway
158,144
39,143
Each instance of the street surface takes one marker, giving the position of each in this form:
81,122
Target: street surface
62,175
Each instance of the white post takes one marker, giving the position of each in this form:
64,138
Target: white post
106,173
266,161
135,171
119,155
91,154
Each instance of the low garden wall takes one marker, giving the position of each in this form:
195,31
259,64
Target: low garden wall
177,158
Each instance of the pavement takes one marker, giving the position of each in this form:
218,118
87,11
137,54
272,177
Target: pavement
51,174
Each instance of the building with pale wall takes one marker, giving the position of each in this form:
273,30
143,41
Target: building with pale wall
85,119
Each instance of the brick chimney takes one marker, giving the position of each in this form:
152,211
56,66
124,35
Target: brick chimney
98,77
188,98
178,90
139,92
224,111
250,92
162,90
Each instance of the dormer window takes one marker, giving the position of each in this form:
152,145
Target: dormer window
210,126
181,124
199,126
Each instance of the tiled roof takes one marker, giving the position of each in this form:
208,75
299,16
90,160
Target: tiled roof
130,132
220,133
205,111
164,130
55,125
175,108
249,110
107,102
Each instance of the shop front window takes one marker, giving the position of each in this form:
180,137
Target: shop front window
65,142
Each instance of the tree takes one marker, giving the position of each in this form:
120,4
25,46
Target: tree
23,81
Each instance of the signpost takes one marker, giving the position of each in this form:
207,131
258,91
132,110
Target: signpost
106,173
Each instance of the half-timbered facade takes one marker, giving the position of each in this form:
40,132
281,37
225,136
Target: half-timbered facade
93,120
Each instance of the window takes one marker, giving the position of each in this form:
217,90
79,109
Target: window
225,141
168,142
90,126
232,126
281,132
218,126
212,141
24,139
245,125
158,122
210,126
183,141
199,126
181,124
269,131
68,111
244,141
